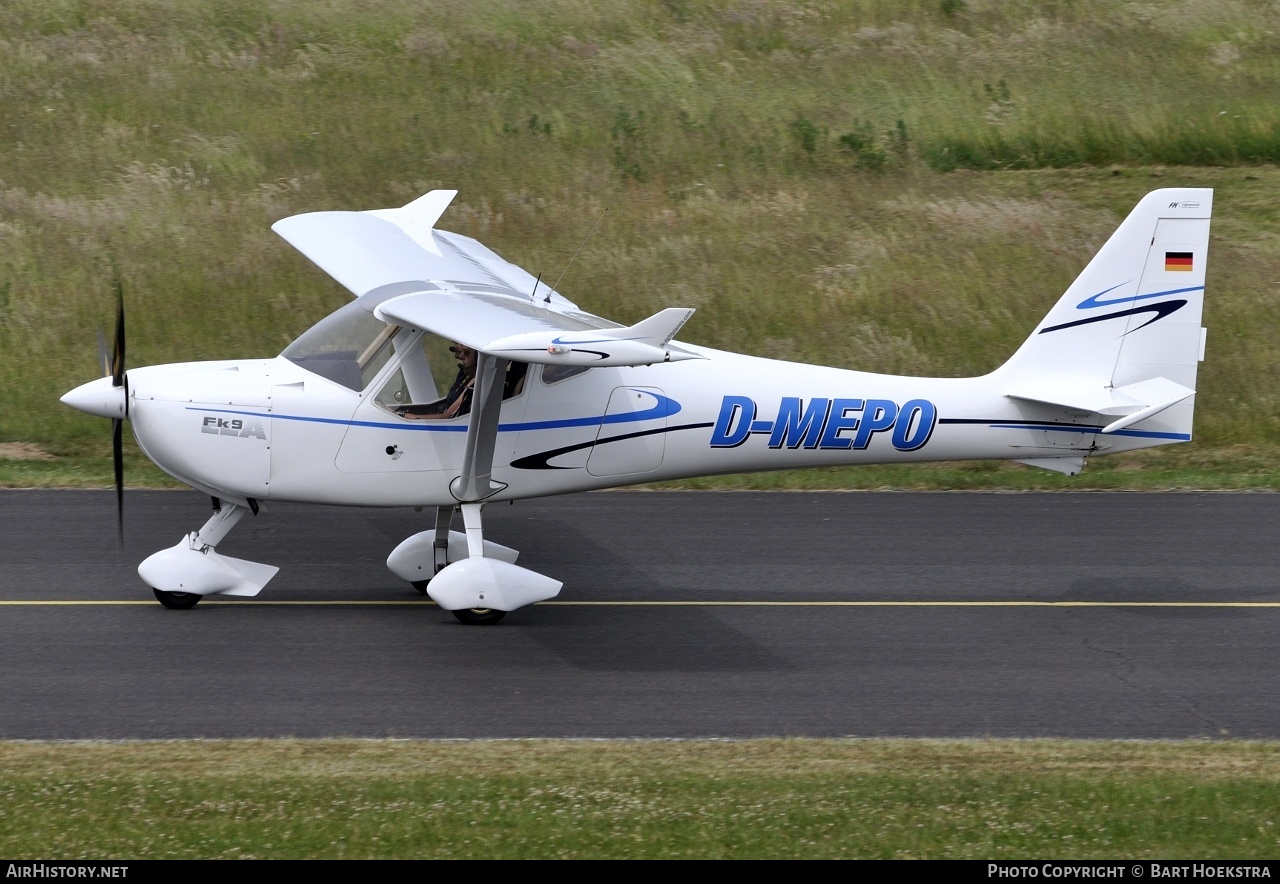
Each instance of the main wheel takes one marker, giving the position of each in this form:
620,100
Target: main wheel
420,585
479,616
177,601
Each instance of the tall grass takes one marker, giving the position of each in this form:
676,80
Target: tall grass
794,170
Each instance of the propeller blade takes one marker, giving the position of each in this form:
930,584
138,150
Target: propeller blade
117,352
119,379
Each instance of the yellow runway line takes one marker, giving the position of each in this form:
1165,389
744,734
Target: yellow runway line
320,603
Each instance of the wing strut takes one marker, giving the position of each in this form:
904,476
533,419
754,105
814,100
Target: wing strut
476,481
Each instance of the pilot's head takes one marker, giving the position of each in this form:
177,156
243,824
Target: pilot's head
465,355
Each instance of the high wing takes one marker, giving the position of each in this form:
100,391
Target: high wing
451,285
366,251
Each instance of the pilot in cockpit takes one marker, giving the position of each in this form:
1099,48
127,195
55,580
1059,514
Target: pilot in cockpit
458,400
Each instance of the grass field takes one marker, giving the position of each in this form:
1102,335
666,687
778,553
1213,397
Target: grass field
776,799
901,187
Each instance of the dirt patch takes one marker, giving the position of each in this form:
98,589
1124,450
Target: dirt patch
23,451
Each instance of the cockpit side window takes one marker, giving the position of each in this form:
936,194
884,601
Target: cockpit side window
554,374
429,372
352,347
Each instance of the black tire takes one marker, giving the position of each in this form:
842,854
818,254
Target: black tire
177,601
420,585
479,616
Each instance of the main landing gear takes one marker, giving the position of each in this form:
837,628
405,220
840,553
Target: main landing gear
475,579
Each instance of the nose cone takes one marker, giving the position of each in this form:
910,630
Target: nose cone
100,398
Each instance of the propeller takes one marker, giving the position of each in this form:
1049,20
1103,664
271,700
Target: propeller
119,379
109,397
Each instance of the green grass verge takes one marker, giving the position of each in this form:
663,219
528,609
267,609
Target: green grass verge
806,799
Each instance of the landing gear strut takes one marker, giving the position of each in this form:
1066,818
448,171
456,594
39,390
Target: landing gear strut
439,549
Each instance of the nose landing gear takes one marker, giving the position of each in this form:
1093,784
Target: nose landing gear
183,574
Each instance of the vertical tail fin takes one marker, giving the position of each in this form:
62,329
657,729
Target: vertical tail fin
1125,340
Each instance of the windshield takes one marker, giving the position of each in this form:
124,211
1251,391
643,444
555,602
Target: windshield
348,347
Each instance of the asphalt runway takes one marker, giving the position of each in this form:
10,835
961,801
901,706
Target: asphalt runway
684,615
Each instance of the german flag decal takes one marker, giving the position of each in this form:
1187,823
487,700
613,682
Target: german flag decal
1177,261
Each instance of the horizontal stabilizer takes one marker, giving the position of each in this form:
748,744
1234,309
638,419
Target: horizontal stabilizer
1147,398
1098,400
1149,411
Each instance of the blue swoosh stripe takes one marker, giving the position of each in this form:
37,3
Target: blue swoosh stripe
541,460
1161,310
1092,301
664,407
346,422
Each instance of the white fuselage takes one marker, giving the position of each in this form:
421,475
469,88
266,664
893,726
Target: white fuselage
271,430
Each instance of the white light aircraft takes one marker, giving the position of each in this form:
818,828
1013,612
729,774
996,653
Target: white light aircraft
355,411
